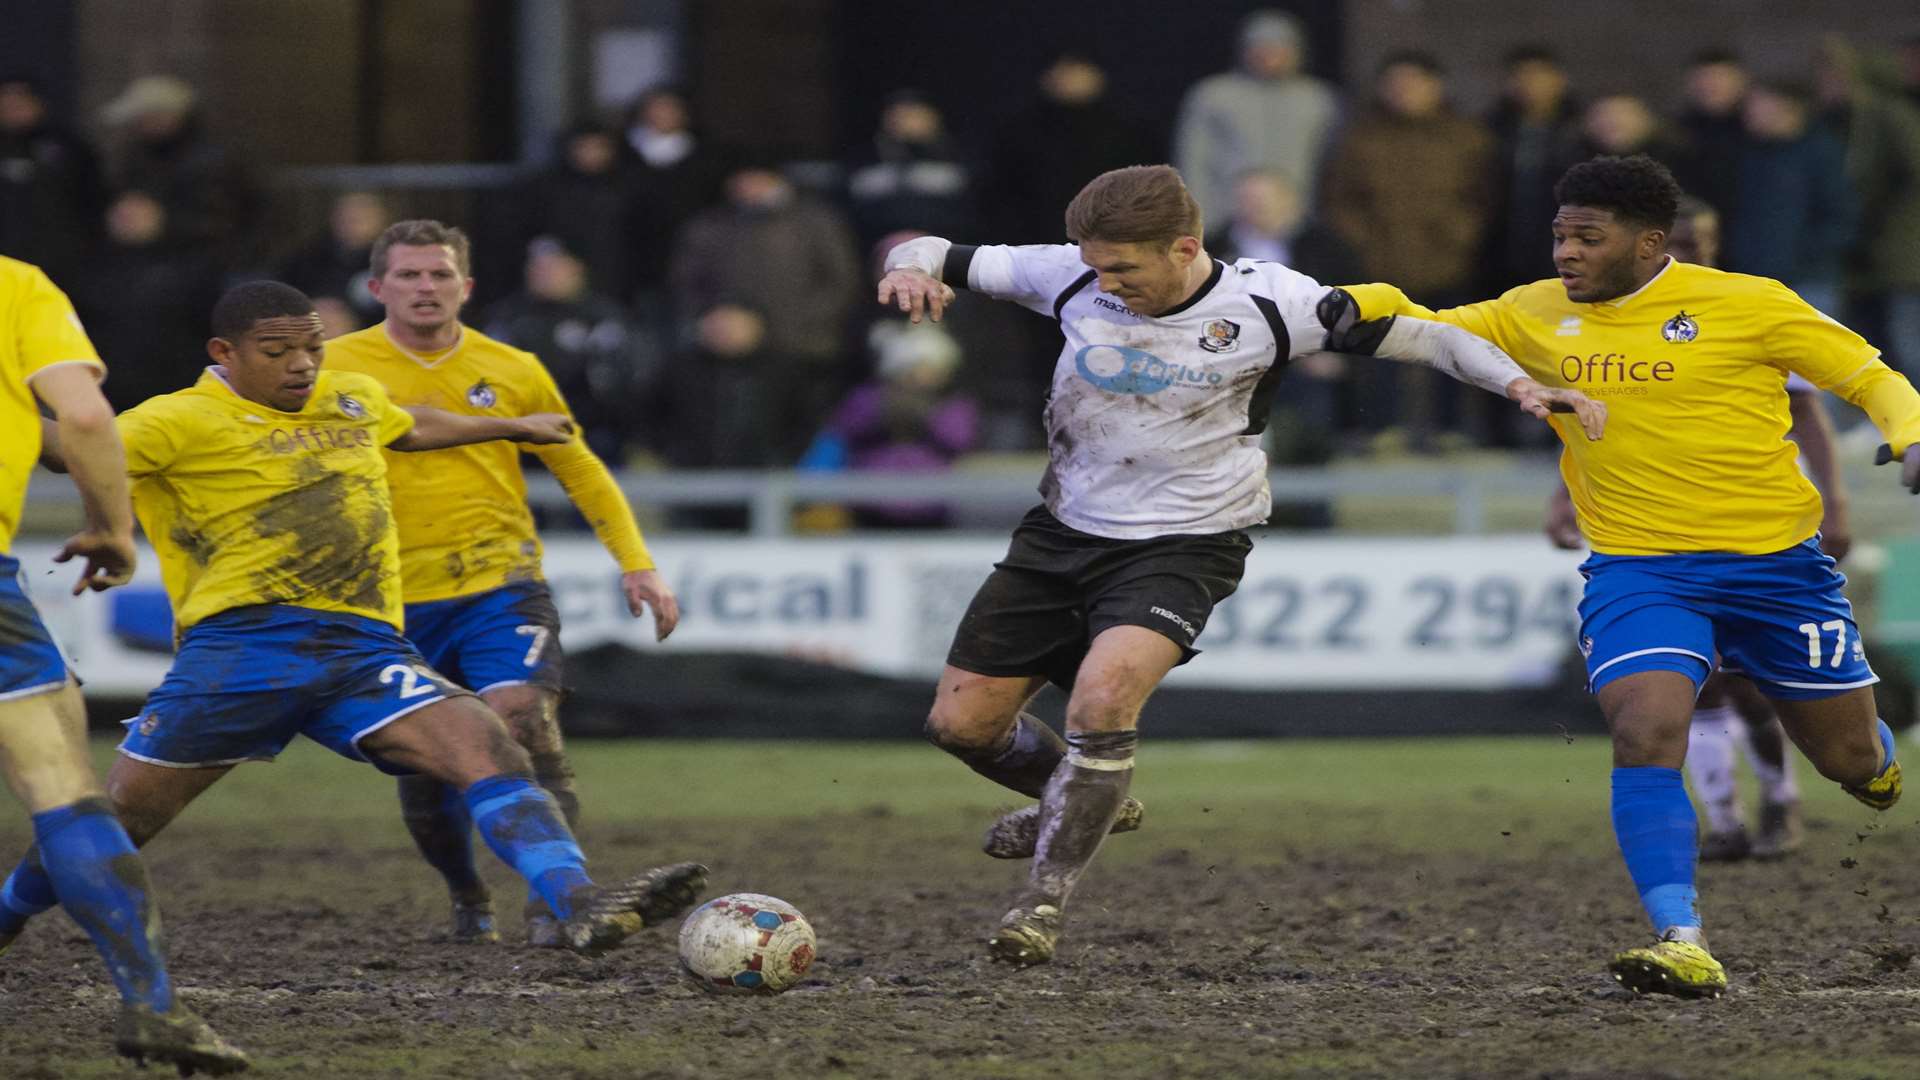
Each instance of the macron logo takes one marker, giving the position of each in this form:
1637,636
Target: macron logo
1177,621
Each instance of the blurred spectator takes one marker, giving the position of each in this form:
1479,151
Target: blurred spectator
1007,355
337,263
208,197
1407,188
913,177
144,300
1696,233
1269,221
1624,125
764,284
1536,132
907,419
1712,130
1267,114
1794,211
675,176
50,194
337,317
586,201
587,342
1071,132
1886,157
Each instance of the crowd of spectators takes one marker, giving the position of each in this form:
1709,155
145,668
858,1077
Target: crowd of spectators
709,307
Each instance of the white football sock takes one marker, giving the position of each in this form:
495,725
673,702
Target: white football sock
1777,783
1710,760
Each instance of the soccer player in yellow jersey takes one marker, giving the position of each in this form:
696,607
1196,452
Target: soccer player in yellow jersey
1704,531
476,604
263,490
86,859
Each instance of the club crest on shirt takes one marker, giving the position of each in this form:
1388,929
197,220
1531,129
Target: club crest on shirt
352,408
481,396
1680,329
1220,335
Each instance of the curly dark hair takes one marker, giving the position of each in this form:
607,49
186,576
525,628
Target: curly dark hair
1637,189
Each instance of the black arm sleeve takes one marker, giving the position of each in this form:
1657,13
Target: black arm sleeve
1340,315
959,258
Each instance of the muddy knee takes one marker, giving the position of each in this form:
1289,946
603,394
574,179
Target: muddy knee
965,736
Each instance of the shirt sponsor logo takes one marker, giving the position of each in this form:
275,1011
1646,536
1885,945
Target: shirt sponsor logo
1680,329
1614,373
1220,335
1119,369
314,438
481,396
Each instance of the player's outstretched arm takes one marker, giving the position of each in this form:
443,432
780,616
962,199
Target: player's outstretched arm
85,444
437,429
912,280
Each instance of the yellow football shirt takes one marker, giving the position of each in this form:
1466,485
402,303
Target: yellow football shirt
245,504
38,330
462,512
1693,369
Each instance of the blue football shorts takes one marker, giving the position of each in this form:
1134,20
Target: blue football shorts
1779,619
30,662
247,680
508,636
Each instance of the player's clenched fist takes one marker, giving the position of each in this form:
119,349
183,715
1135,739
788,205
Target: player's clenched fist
543,429
913,292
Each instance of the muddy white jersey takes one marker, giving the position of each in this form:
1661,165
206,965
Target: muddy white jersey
1154,422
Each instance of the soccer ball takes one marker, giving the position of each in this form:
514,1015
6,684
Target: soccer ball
746,943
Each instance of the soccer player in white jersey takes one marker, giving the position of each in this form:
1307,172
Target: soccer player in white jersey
1155,470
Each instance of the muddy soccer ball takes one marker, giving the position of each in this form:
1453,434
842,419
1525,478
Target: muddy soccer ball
746,943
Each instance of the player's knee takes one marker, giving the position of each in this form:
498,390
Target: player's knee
1098,707
1641,740
959,734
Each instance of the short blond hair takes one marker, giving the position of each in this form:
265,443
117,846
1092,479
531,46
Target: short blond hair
1137,204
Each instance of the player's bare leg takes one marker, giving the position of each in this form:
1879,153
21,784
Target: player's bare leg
982,720
1779,830
1845,739
532,714
460,741
1649,713
436,817
43,754
1084,795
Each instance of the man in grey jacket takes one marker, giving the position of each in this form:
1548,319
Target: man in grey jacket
1267,114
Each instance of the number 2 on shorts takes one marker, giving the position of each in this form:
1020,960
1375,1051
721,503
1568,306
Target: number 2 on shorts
410,684
1812,630
539,635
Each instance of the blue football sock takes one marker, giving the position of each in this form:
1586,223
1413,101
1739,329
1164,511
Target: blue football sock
1886,748
103,886
523,826
28,891
1654,822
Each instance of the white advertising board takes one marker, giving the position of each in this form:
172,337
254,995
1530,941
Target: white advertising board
1333,613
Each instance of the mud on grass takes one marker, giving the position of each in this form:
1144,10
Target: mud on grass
1272,919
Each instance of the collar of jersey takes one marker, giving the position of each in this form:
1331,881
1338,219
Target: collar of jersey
417,358
1621,301
1199,294
213,374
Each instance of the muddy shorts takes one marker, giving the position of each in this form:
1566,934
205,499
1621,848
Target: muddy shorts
508,636
247,680
1058,588
30,662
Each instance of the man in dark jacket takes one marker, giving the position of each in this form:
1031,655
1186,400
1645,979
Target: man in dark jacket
1536,134
1795,212
1043,155
50,195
